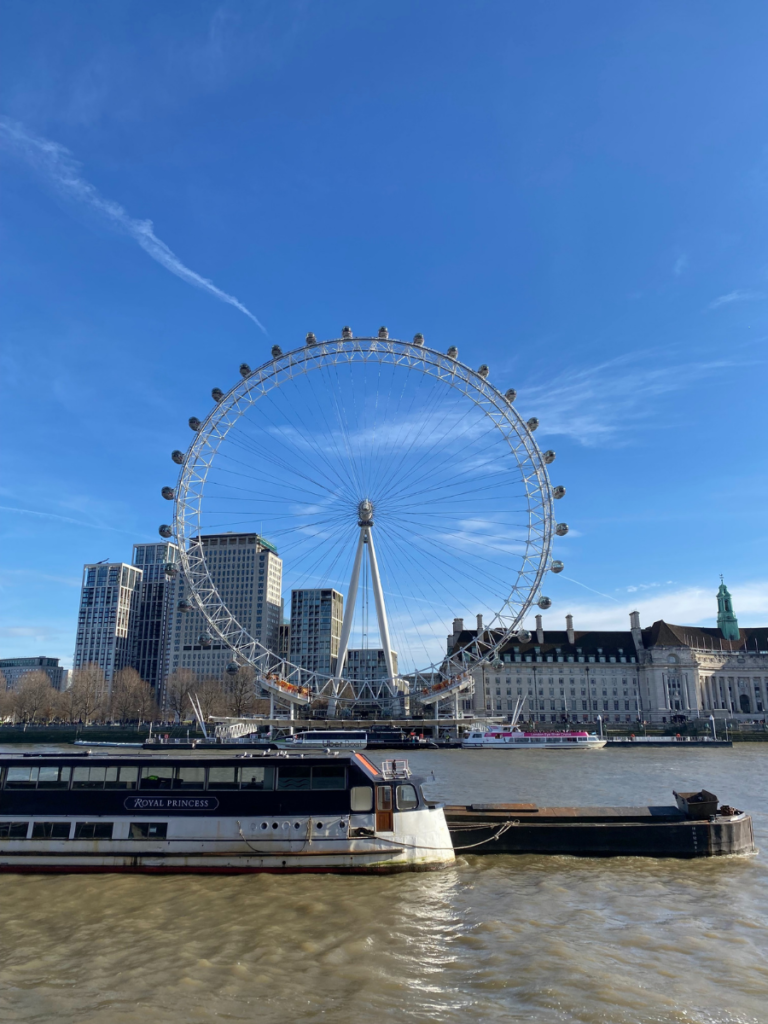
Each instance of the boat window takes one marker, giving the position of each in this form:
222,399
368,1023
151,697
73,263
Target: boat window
221,778
50,830
294,777
383,798
21,778
361,799
53,777
88,778
406,798
332,776
124,776
188,777
157,776
93,829
13,829
149,829
257,777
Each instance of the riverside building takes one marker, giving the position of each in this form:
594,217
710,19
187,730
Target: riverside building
656,674
149,616
315,632
14,670
108,600
248,574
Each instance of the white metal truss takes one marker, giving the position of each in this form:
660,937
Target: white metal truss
292,683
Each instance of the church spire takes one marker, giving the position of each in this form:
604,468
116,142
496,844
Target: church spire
727,622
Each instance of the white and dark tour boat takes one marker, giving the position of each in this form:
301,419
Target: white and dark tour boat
326,739
509,738
159,813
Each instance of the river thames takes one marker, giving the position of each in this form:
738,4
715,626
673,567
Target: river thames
543,939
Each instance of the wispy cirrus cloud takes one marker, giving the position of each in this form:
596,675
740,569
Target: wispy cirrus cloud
601,404
681,264
739,295
57,165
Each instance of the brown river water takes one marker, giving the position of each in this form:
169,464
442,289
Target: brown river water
501,938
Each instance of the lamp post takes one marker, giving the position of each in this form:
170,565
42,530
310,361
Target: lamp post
714,733
600,725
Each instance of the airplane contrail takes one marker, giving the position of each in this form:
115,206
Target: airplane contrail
57,164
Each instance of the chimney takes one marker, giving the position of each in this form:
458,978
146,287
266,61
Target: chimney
539,630
569,629
479,624
458,626
637,634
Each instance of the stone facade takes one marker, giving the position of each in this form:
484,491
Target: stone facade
653,675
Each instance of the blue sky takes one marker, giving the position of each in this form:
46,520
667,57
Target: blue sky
573,193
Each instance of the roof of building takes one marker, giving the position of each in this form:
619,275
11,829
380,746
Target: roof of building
620,644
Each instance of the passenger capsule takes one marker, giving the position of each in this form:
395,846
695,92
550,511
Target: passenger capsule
346,333
418,339
532,424
523,636
184,606
245,369
549,456
205,639
483,371
170,568
217,394
311,339
453,352
165,530
557,566
194,423
168,493
544,602
276,351
558,492
232,667
510,395
561,529
383,333
178,457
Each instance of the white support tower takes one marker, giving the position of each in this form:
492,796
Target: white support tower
365,544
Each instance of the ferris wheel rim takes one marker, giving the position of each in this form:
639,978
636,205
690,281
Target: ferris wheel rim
256,385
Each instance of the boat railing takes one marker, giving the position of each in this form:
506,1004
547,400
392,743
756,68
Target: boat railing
396,768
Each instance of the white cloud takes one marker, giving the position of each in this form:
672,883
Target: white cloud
736,296
694,606
604,403
681,264
56,164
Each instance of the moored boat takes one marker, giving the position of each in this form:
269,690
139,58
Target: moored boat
509,738
166,813
325,739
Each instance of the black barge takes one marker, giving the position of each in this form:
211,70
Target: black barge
694,827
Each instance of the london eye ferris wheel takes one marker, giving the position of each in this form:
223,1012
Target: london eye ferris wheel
392,473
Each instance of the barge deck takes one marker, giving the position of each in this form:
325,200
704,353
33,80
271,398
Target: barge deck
696,827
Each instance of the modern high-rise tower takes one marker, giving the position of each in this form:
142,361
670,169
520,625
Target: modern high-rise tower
150,614
315,631
248,574
108,602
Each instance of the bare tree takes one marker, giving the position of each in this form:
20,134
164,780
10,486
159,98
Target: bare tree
177,690
210,694
34,697
122,702
240,690
87,694
6,709
144,702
